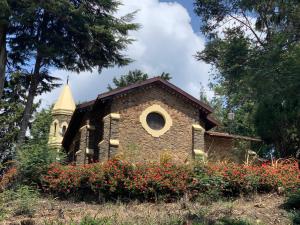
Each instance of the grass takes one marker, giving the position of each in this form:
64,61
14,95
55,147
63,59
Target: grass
20,201
88,220
57,212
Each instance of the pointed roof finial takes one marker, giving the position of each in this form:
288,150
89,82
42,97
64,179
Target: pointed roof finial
65,103
68,79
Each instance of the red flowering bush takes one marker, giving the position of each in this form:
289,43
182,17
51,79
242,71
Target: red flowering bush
8,178
262,178
118,178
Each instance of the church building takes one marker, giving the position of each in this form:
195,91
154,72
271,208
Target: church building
148,121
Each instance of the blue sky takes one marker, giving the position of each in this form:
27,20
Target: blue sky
188,4
167,41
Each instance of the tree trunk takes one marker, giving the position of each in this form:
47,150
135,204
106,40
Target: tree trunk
2,58
29,103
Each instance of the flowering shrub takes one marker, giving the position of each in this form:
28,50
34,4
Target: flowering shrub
262,178
121,179
118,178
8,178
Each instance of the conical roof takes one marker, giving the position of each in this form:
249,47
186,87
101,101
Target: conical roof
65,103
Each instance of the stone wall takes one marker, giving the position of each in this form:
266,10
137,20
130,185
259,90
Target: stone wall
136,144
223,149
55,133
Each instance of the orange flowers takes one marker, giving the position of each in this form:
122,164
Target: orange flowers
265,177
116,178
121,179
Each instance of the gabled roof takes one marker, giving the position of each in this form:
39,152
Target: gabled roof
159,80
155,80
77,116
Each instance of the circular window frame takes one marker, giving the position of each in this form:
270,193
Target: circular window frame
156,109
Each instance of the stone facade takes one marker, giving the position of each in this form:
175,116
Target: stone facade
223,149
118,132
59,125
116,125
136,144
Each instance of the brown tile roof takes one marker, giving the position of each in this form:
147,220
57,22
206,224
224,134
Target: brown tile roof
231,136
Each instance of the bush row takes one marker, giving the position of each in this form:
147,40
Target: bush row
121,179
233,179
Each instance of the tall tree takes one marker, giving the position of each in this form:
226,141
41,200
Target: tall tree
4,17
255,65
133,76
66,34
12,107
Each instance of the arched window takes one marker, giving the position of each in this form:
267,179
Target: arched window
55,129
63,130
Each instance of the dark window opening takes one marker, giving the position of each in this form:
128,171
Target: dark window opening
155,121
63,130
55,128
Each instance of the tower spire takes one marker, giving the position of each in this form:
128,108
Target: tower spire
61,113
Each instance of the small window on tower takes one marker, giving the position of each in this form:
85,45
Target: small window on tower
63,130
55,129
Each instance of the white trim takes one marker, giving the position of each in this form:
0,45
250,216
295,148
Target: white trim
89,151
114,142
198,127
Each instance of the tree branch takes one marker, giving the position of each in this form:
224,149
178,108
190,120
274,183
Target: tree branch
249,26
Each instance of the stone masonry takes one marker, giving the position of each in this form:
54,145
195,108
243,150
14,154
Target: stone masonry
138,145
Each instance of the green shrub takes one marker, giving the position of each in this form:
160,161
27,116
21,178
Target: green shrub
293,204
293,201
229,221
34,161
206,187
88,220
22,201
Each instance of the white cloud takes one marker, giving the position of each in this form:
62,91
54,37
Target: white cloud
165,42
240,21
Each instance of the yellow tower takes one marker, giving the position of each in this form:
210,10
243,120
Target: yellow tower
61,113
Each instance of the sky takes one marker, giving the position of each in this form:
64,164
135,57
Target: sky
167,41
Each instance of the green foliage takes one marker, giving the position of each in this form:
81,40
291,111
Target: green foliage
293,205
207,188
12,106
35,156
229,179
40,127
72,35
133,77
21,201
229,221
173,220
34,161
256,67
93,221
293,201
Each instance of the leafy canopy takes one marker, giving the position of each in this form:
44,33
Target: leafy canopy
253,47
132,77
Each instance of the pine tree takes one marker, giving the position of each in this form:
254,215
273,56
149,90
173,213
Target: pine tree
65,34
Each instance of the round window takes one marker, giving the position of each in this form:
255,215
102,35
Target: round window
155,121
